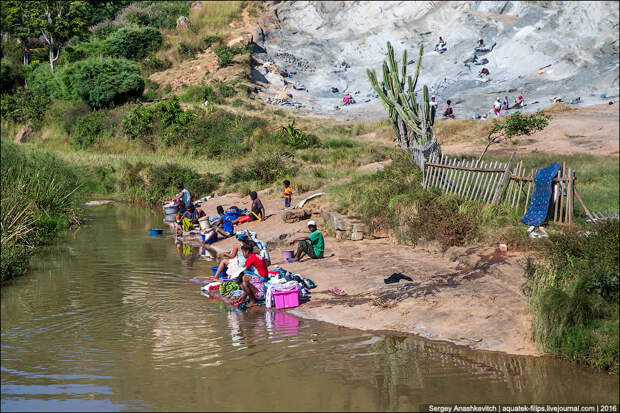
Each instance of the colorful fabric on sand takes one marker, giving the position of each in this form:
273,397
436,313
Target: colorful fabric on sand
259,283
227,287
537,213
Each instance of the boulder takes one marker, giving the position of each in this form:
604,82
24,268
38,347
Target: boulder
23,134
294,215
183,23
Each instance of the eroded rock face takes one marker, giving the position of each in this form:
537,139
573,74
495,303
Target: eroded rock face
183,23
23,134
543,50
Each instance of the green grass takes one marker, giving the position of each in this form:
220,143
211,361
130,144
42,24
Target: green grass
38,201
573,295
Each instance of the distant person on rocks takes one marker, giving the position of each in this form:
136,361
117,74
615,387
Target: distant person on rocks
447,111
519,103
441,46
497,107
183,196
433,105
483,72
505,103
348,99
312,245
481,47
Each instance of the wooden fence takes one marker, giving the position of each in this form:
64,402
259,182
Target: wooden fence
497,182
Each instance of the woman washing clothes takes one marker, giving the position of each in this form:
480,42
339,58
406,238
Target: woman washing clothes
253,286
235,260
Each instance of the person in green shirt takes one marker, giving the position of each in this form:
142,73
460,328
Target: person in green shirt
312,245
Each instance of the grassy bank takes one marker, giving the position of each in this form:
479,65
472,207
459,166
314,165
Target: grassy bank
38,202
573,295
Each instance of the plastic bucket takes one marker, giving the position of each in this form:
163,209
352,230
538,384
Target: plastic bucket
222,274
287,254
173,209
156,231
170,218
204,223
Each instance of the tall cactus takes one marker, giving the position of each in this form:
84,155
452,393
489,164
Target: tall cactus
412,122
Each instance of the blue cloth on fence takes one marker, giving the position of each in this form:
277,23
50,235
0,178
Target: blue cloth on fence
537,213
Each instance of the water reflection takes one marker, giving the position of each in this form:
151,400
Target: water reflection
109,321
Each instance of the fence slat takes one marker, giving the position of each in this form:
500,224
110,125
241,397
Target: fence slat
502,181
492,188
487,189
470,178
569,198
529,187
464,180
515,186
476,180
447,173
483,182
520,189
556,198
563,186
461,179
454,174
437,172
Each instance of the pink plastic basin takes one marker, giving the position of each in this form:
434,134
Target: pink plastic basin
287,254
286,299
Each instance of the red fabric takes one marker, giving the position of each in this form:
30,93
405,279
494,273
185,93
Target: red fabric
258,263
244,218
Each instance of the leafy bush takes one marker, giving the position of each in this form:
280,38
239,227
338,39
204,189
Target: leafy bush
138,122
42,81
225,90
187,51
296,138
133,43
334,143
24,106
515,125
154,183
211,40
11,77
84,50
152,64
225,54
266,168
91,128
222,134
102,82
65,113
161,14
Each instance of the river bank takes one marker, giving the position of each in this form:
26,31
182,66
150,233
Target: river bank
467,296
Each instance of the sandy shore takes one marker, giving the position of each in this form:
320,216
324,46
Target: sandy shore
469,297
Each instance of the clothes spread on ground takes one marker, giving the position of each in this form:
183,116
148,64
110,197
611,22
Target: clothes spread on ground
234,268
537,212
259,284
316,239
258,263
396,277
227,286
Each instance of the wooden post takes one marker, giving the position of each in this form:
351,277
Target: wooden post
556,199
569,198
529,187
563,186
585,208
502,182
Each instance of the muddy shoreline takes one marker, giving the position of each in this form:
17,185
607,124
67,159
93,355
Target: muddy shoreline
466,296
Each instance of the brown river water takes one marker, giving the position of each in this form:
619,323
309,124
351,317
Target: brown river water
107,320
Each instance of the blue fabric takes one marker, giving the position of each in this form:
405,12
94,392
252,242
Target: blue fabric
537,213
227,224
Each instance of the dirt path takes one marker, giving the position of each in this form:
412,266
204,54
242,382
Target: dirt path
589,130
469,297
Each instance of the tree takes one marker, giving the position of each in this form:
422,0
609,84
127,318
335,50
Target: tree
18,20
515,125
59,21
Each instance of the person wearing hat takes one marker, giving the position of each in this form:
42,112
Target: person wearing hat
518,103
433,105
183,196
312,245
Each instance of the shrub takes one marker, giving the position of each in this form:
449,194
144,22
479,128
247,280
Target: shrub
225,54
211,40
334,143
222,134
84,50
266,168
102,82
138,123
152,64
91,128
225,90
187,51
154,13
65,113
133,43
42,81
154,183
24,106
296,138
11,77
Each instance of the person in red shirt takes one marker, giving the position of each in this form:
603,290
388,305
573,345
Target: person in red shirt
253,286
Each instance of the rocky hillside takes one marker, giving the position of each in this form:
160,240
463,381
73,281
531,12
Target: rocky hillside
543,50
